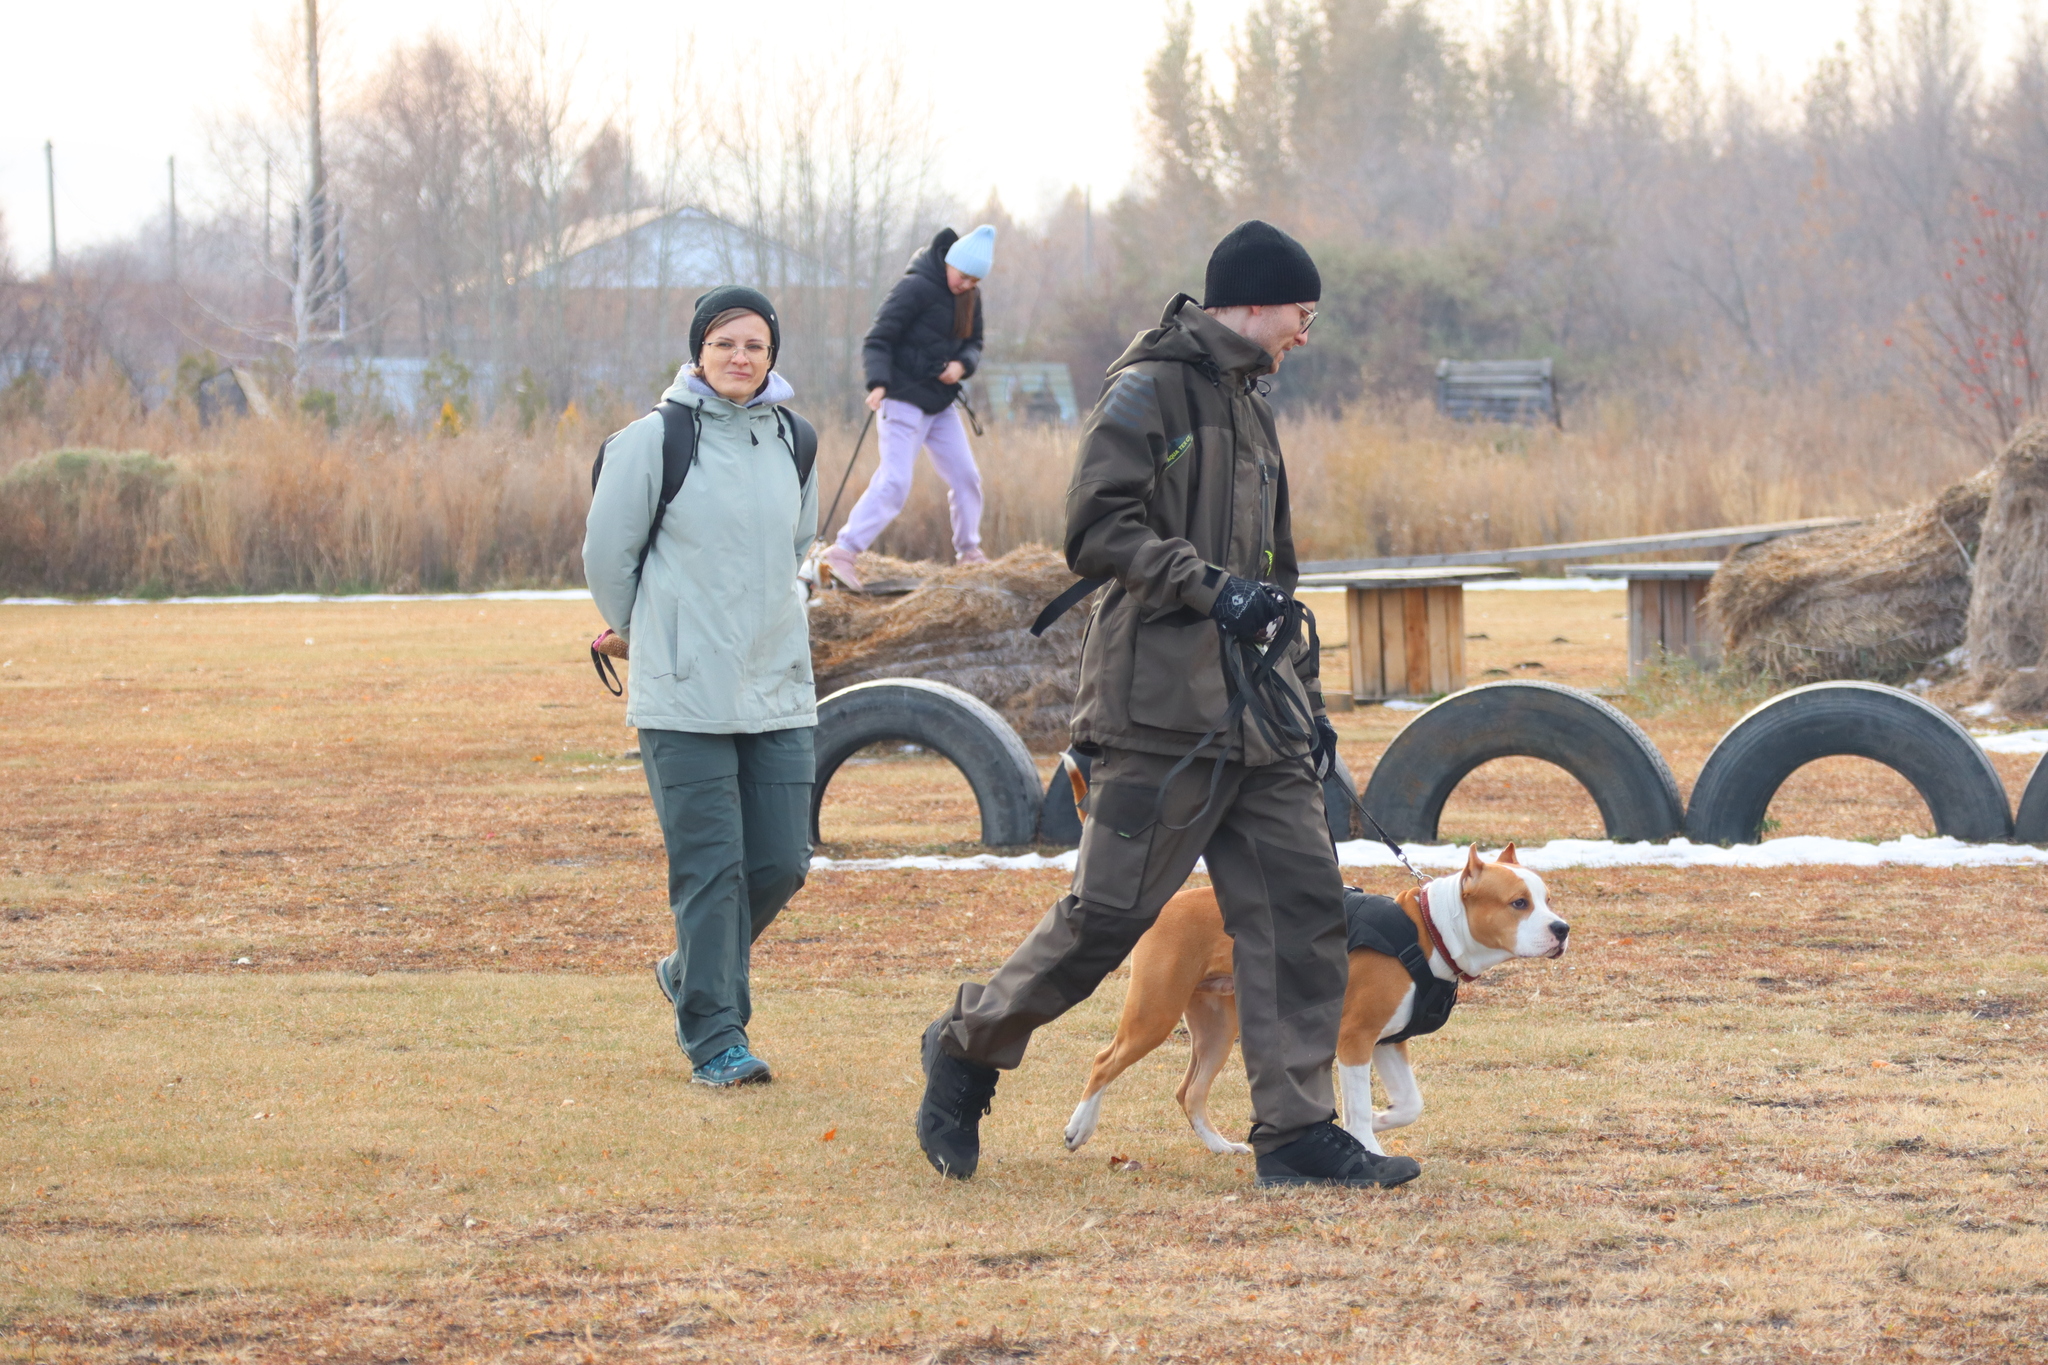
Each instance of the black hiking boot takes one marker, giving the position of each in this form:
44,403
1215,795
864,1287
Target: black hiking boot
1327,1155
956,1095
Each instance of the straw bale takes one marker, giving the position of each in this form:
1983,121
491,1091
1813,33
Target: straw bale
1880,600
966,624
2008,627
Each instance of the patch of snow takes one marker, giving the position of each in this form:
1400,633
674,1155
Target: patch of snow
1401,704
1804,850
2014,742
1795,851
1573,584
1983,710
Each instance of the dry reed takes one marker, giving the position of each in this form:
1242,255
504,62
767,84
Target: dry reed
270,506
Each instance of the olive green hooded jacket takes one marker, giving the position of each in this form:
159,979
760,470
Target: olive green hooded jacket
1179,481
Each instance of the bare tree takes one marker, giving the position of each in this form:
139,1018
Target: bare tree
1978,336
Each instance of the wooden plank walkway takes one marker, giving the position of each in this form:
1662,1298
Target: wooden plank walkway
1715,537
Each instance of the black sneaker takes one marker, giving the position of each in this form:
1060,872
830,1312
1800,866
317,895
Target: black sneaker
956,1095
1327,1155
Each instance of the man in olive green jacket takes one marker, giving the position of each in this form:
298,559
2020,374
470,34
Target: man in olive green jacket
1179,499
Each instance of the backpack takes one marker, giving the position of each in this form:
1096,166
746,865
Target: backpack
679,452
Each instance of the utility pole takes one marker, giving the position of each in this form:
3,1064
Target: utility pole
309,278
50,180
173,168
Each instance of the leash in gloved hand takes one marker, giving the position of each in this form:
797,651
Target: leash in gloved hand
1248,670
1283,719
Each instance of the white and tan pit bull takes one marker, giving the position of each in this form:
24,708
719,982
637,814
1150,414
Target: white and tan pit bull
1462,925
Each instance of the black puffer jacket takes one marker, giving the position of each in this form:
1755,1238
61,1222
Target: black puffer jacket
912,339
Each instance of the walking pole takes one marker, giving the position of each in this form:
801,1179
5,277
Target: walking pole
808,573
855,459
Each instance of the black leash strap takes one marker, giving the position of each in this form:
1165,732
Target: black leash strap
968,408
1400,854
1064,603
607,672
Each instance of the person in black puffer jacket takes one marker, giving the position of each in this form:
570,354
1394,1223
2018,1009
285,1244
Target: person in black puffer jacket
925,341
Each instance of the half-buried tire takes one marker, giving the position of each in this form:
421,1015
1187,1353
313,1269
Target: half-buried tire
945,719
1920,742
1612,759
2030,826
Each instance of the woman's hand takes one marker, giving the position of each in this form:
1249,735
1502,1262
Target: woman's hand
875,397
953,373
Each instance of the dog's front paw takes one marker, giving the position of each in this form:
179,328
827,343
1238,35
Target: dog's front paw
1081,1127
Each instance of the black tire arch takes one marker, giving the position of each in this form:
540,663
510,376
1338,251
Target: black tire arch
1611,758
2030,826
1915,739
940,717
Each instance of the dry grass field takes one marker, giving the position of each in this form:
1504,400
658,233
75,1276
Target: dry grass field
324,935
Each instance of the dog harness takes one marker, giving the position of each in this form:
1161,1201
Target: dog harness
1376,922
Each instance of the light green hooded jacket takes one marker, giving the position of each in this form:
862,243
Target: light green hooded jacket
719,638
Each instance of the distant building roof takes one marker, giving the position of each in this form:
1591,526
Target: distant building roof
651,248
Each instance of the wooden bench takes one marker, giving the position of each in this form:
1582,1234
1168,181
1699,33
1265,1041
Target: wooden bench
1664,610
1497,391
1406,628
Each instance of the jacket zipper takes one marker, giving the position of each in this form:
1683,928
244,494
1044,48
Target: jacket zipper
1265,519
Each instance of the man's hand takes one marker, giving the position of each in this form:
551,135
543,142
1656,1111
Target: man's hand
1249,610
1324,754
953,373
875,397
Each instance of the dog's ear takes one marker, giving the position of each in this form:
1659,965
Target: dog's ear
1507,855
1473,865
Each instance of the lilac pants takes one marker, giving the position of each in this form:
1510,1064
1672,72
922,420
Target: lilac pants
903,428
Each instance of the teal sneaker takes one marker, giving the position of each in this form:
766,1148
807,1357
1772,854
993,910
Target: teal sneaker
734,1066
668,993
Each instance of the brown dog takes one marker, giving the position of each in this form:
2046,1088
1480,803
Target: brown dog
1464,924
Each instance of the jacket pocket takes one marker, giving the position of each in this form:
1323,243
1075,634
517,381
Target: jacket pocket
1177,677
1116,842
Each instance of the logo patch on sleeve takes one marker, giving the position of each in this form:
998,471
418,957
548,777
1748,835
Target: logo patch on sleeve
1180,448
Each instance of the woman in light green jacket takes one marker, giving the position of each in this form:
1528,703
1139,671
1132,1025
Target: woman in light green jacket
720,676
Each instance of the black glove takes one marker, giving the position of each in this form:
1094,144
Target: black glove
1248,610
1324,754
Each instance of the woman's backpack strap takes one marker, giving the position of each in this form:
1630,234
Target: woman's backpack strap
802,440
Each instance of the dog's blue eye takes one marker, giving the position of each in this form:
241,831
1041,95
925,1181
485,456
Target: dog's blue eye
1520,903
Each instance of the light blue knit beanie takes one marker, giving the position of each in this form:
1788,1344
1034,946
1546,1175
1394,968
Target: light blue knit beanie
974,254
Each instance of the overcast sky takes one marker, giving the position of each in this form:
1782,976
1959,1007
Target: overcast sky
1032,97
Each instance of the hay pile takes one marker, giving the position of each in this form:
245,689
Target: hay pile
968,625
1880,600
2008,627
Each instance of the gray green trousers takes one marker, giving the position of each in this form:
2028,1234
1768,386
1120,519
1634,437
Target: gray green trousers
735,813
1267,844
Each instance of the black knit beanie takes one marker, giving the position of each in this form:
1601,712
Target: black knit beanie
728,296
1258,263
